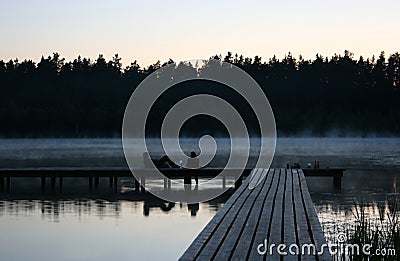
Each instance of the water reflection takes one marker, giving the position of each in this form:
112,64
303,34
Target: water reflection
104,225
156,203
374,190
124,226
53,206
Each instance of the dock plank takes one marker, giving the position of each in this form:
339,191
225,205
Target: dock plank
228,246
275,232
194,250
243,247
224,226
289,226
302,231
271,207
261,232
316,231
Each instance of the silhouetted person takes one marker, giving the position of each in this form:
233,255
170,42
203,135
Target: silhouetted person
163,162
193,163
193,208
147,161
154,202
166,162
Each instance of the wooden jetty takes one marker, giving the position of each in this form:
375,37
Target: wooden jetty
112,174
336,173
277,211
93,175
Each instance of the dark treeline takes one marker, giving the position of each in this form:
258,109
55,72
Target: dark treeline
340,95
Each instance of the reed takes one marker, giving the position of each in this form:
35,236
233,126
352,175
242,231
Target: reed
382,234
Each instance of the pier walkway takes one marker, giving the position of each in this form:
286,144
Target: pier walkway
56,175
277,210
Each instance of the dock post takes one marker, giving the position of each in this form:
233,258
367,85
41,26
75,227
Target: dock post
169,184
137,184
53,184
223,182
143,187
238,182
116,184
165,183
96,183
1,184
61,183
110,182
90,183
8,184
43,184
337,182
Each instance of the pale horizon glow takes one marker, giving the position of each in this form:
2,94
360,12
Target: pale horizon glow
148,31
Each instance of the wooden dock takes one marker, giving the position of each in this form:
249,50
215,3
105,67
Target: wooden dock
277,211
57,175
93,175
336,173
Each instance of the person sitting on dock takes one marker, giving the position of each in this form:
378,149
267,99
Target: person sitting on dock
166,162
147,161
163,162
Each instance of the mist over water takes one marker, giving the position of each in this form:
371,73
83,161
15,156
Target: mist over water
357,153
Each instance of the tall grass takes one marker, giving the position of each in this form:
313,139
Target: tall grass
382,234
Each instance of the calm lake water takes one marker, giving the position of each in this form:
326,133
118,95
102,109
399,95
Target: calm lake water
79,225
